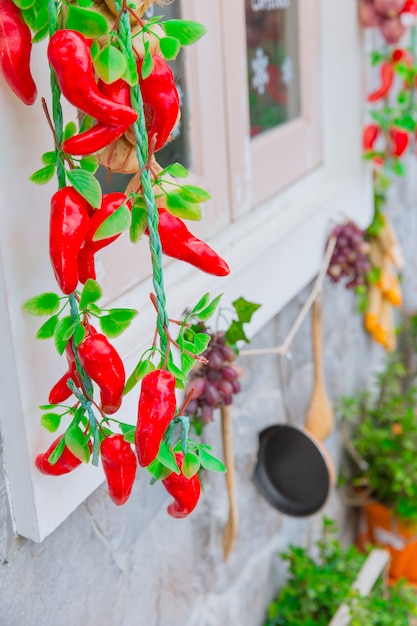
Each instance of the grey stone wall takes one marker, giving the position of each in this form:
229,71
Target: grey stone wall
136,566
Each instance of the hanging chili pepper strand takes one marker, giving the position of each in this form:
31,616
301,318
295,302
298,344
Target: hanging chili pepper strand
142,152
57,115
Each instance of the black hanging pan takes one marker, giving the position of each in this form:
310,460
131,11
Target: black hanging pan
294,472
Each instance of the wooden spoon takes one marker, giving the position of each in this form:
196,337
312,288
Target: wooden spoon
231,528
320,417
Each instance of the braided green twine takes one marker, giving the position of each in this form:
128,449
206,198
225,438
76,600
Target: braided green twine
142,152
56,103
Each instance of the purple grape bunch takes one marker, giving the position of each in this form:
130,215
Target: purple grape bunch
350,258
214,384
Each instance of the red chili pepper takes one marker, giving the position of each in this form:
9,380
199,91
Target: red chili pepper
387,74
60,391
69,224
86,266
100,135
179,243
69,56
15,51
119,465
185,491
160,99
400,54
400,140
66,462
102,363
156,409
369,136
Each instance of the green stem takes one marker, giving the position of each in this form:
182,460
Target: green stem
142,152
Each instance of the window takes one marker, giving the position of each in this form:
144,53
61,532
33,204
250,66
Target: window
277,175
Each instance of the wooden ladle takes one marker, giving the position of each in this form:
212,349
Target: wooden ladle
231,528
320,416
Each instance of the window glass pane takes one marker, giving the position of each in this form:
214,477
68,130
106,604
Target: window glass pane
176,150
273,65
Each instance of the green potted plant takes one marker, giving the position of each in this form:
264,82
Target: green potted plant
316,588
380,434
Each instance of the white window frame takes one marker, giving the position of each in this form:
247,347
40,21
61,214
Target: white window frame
273,251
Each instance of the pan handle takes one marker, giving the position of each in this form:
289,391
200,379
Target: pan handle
285,379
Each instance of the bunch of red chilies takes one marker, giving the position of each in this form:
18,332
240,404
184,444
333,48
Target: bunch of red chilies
73,223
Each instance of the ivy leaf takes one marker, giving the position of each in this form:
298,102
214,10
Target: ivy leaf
47,330
110,64
147,64
245,309
170,46
210,462
208,311
87,185
43,175
141,370
116,322
138,224
167,458
175,169
44,304
89,163
113,225
49,158
91,293
89,23
235,333
190,465
51,421
77,442
61,330
186,31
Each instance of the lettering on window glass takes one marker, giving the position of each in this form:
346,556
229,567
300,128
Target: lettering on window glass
273,71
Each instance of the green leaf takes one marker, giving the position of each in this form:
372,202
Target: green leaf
56,453
113,225
44,304
191,193
207,312
141,370
131,73
187,363
170,46
91,293
41,34
49,158
201,341
210,462
70,130
89,23
138,224
79,334
43,175
374,275
46,407
128,431
77,442
406,123
110,64
86,185
398,167
87,123
51,421
47,330
167,458
175,169
158,471
86,3
190,465
42,19
186,31
179,207
116,322
147,64
245,309
201,305
61,331
181,377
89,163
24,4
236,333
